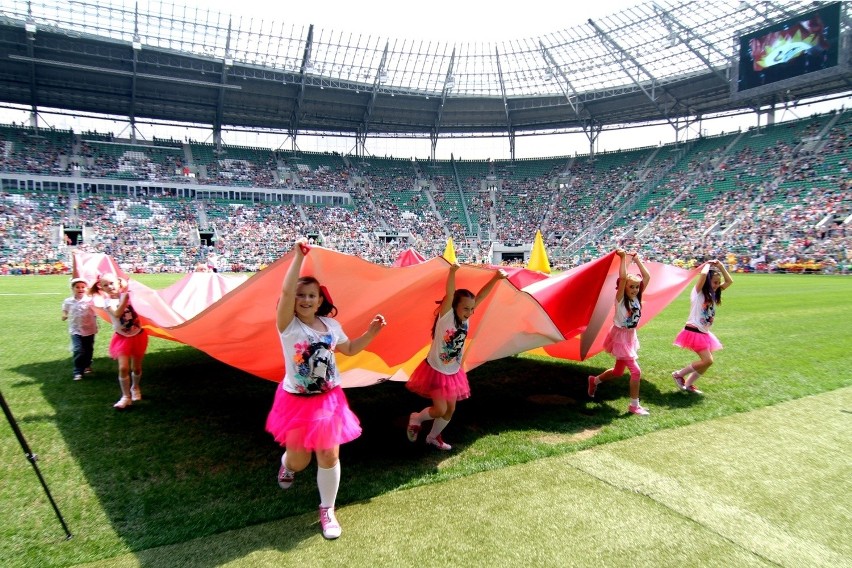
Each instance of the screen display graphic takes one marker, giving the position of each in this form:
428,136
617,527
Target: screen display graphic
801,45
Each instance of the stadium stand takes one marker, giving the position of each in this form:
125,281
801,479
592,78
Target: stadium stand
774,198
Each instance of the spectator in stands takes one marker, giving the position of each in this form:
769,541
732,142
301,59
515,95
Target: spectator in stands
696,334
621,342
78,310
130,340
440,376
310,413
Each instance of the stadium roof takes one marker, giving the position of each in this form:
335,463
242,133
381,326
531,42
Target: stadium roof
658,61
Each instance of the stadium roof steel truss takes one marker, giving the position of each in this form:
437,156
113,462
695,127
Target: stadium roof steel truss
657,61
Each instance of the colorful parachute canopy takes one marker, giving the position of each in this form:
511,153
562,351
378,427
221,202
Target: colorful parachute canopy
408,257
232,318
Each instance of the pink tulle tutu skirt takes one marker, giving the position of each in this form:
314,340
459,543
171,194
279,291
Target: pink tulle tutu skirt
697,341
429,383
313,422
133,347
622,342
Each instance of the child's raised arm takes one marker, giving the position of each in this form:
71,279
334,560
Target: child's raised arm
447,302
287,301
357,345
646,276
725,275
622,275
123,295
702,276
483,293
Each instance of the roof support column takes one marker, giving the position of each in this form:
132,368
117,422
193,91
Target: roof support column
449,83
297,108
592,129
31,32
137,47
360,143
227,62
510,130
381,76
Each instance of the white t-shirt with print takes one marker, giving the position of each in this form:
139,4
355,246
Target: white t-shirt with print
309,363
701,312
445,354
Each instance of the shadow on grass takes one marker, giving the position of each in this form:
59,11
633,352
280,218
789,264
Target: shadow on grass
193,458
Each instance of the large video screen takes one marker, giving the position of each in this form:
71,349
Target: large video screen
800,45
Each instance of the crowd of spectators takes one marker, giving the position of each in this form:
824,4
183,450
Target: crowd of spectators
766,204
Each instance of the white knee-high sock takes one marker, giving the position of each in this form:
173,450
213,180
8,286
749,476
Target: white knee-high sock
422,416
135,379
124,383
438,427
686,371
694,376
328,481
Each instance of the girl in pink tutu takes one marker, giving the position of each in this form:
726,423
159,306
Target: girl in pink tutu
130,340
621,342
696,335
440,376
310,414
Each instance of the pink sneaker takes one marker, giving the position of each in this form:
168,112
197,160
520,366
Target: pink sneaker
638,409
413,429
330,527
592,386
123,403
439,443
678,380
285,477
692,389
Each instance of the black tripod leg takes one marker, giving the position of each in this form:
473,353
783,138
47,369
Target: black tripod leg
33,459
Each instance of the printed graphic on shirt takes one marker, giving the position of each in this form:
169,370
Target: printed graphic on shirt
708,313
314,365
129,321
634,312
453,344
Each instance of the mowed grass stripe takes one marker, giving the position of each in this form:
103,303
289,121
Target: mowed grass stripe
764,488
774,481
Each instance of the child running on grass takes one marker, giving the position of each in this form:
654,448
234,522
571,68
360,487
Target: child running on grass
130,340
440,376
78,310
310,414
622,342
696,335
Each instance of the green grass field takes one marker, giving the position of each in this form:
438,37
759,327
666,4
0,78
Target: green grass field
539,474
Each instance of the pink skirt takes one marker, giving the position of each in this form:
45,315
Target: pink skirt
133,347
697,341
622,342
429,383
313,422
